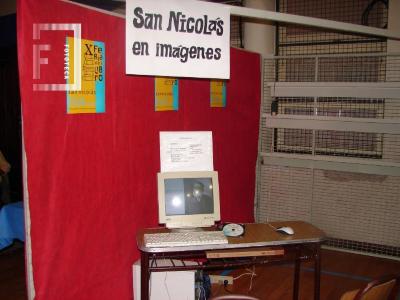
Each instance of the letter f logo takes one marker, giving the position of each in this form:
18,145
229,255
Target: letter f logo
38,60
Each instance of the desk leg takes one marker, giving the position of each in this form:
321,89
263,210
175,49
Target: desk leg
144,276
296,275
317,271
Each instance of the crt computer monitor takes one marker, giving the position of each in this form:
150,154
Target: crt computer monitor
188,199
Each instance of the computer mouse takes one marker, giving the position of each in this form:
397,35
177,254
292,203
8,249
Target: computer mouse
286,230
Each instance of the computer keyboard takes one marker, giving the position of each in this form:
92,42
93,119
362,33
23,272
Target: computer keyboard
189,238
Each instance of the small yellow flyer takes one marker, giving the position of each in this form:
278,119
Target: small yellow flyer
166,93
217,93
91,97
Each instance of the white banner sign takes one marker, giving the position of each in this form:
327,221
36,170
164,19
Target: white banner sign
179,38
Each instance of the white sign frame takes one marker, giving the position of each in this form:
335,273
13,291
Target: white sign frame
177,38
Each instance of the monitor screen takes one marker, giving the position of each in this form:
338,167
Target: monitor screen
188,196
188,199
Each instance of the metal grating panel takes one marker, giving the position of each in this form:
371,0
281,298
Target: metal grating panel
364,247
280,201
295,40
382,147
360,207
373,67
328,142
236,36
323,142
347,206
303,176
340,107
350,69
236,32
350,107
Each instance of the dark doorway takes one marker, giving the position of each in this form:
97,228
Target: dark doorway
10,105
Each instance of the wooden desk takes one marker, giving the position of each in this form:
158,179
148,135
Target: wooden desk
303,245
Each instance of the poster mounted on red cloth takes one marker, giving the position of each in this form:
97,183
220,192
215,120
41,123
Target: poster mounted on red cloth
91,178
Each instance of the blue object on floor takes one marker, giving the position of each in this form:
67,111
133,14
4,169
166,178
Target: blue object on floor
11,224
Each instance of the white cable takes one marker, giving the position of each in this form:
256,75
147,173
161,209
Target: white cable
251,279
251,273
241,275
251,283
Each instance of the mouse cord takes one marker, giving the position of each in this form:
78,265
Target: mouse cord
270,225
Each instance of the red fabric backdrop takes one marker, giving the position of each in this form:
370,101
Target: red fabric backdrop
92,178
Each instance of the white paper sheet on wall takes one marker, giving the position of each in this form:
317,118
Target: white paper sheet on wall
186,151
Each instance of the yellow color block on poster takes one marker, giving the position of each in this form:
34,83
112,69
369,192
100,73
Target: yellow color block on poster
217,93
91,97
166,93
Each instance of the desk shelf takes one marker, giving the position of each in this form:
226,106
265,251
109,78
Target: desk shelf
199,261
